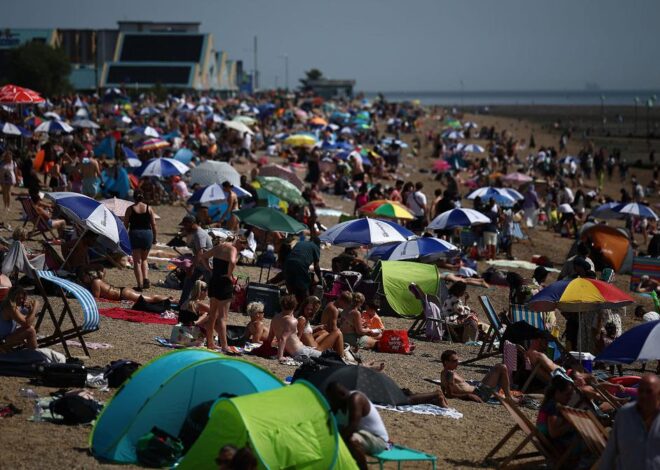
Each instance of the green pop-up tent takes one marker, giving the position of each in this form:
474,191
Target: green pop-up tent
396,276
291,427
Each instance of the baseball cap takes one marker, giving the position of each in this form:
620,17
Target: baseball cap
189,219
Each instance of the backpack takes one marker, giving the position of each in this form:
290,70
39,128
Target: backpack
75,409
119,371
158,449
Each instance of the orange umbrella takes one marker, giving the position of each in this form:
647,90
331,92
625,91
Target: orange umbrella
318,121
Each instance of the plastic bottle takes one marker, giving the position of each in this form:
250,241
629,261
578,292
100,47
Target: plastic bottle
37,412
28,393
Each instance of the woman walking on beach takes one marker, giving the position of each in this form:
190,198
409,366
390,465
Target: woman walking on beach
9,169
141,225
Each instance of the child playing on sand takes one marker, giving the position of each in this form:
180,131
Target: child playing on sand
455,386
256,331
370,317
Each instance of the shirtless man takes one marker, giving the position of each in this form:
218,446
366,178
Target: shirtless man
351,326
45,212
456,386
232,205
91,175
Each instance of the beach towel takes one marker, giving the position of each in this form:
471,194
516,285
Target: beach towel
503,263
136,316
423,409
94,346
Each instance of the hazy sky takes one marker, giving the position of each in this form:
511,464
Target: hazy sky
415,45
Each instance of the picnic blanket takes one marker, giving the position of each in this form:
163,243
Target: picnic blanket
423,409
517,263
136,316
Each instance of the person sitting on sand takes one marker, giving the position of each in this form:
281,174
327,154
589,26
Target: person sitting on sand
455,386
284,329
370,317
17,317
350,324
359,423
327,340
457,310
197,305
330,315
256,331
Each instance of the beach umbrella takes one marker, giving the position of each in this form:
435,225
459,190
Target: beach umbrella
8,128
113,94
79,103
390,141
318,122
500,195
441,165
579,295
217,118
152,144
144,131
53,115
85,124
453,123
209,194
300,140
54,127
240,192
131,157
210,172
640,343
377,386
636,209
517,178
81,113
186,107
453,135
281,172
425,249
270,220
470,125
366,231
282,189
386,208
149,111
346,130
238,126
458,218
204,109
184,155
93,216
606,211
163,168
472,148
247,120
118,206
12,94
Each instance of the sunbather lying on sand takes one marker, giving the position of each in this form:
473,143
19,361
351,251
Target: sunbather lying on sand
92,279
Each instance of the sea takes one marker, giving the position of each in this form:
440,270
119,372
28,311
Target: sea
524,98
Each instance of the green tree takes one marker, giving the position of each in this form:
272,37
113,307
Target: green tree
40,67
311,74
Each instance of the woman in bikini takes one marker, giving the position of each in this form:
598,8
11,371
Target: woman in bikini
333,340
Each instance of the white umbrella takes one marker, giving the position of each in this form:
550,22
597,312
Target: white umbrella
54,127
211,172
247,120
53,115
85,124
238,126
366,231
164,167
472,148
458,218
470,125
119,206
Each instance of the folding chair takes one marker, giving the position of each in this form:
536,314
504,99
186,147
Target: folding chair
400,454
593,434
643,266
532,436
31,216
494,333
90,311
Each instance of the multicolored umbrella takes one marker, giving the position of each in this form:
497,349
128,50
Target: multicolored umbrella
579,295
152,144
12,94
144,131
640,343
282,189
281,172
366,231
269,219
386,208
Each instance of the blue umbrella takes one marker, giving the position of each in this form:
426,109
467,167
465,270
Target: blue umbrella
184,155
8,128
149,111
606,211
163,168
458,218
425,248
641,343
634,208
95,217
54,127
503,196
390,141
131,157
366,231
145,131
208,194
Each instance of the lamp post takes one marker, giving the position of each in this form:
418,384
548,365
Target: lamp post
636,104
286,71
602,110
649,105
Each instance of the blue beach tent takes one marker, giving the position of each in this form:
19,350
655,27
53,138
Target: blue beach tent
162,393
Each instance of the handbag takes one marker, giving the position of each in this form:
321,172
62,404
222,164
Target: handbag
239,301
395,342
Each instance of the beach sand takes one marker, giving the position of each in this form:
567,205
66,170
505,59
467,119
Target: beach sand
457,443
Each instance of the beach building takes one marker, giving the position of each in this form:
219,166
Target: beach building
137,55
329,88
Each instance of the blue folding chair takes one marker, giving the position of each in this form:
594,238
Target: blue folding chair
91,318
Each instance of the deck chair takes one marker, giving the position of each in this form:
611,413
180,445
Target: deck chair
644,266
493,335
54,261
593,434
400,454
38,222
430,323
90,311
532,436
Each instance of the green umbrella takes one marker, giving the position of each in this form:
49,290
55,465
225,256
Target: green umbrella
282,189
269,219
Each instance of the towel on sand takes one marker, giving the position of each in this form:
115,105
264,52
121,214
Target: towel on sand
423,409
136,316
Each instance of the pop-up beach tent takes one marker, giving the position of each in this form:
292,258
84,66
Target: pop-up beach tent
395,277
162,393
290,427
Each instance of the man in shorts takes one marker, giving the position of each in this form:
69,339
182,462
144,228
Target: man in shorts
455,386
359,423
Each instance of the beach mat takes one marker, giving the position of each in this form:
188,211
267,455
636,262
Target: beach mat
136,316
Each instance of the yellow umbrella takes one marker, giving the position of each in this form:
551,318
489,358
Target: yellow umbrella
300,140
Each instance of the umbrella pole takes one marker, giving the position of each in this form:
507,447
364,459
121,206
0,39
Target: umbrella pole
74,248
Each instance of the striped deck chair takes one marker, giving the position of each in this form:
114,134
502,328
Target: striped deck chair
522,313
593,434
400,454
90,312
488,347
644,266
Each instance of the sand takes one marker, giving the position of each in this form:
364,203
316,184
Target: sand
457,443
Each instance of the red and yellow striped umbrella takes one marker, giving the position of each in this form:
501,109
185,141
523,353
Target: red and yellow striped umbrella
387,208
579,295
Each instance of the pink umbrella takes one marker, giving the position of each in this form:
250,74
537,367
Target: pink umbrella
517,178
284,173
441,165
119,206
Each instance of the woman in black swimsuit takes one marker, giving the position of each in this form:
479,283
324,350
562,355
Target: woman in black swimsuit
221,288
